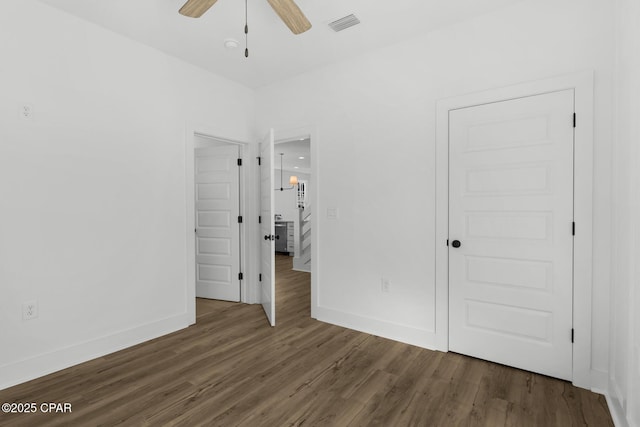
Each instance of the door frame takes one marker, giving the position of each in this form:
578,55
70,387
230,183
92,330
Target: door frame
192,132
582,84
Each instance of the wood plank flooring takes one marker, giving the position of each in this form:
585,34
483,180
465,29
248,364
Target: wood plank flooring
231,369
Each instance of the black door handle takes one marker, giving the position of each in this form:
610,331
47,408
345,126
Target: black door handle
456,243
277,237
267,237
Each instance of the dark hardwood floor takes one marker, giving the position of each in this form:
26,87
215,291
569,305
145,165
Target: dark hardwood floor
232,369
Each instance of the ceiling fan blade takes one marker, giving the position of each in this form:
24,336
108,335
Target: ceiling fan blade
291,15
196,8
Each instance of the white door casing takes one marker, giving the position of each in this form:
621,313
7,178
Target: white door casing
217,207
267,229
511,207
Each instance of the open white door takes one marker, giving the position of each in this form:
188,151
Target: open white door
267,230
510,225
217,196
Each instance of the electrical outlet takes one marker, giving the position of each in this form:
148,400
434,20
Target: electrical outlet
386,285
29,310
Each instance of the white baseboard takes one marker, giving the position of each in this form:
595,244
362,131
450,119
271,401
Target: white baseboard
402,333
300,266
600,384
617,412
45,364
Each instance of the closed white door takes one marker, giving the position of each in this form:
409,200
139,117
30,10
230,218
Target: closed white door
511,232
267,230
217,196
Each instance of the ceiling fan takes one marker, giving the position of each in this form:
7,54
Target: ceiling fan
287,10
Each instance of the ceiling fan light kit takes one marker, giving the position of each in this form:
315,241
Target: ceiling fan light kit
231,43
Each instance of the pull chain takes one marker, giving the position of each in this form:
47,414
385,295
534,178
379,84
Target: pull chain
246,30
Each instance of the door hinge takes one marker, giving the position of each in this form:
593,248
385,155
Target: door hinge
447,242
260,277
572,335
259,219
574,120
195,230
240,276
259,161
240,219
239,162
573,228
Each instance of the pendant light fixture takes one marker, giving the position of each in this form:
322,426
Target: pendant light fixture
293,180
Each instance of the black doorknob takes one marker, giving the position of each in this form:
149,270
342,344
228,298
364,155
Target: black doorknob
267,237
456,243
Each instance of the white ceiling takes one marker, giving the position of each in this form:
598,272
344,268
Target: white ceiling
292,151
275,53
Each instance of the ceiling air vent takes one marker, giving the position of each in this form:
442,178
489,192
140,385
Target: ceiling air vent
344,23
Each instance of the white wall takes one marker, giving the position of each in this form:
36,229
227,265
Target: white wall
92,203
624,370
375,116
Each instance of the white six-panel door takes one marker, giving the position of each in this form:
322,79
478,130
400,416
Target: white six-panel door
511,210
267,230
217,229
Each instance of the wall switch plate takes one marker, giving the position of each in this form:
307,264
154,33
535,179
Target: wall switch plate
29,310
332,213
386,285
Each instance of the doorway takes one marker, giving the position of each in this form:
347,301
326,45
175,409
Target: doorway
216,235
511,230
528,222
217,219
293,216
